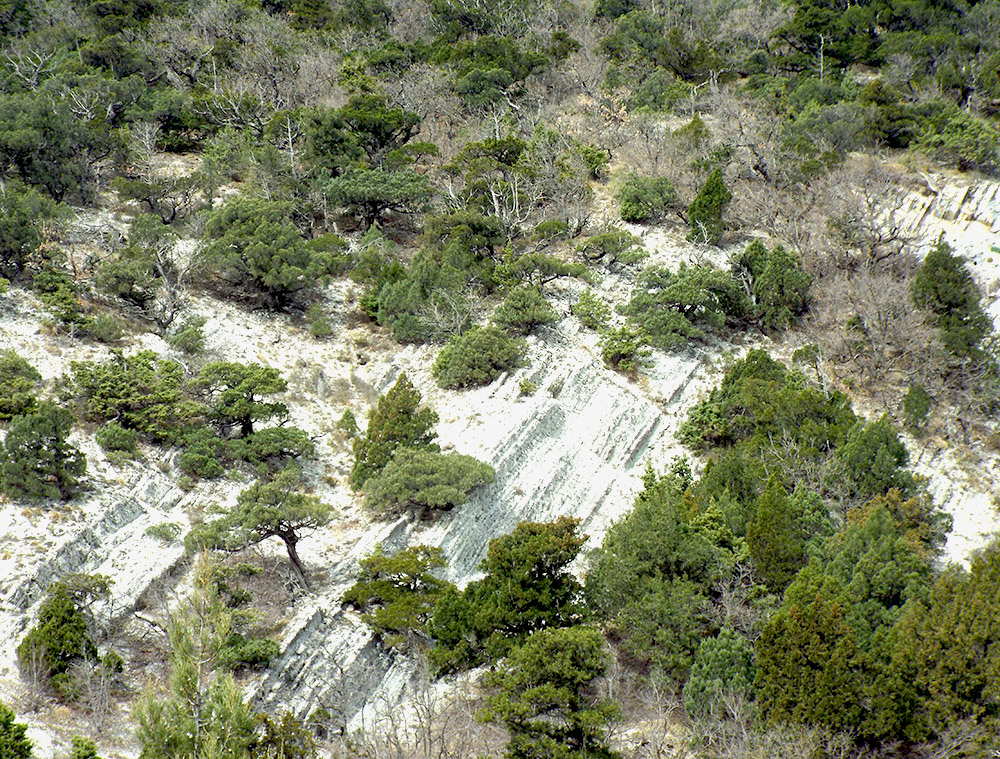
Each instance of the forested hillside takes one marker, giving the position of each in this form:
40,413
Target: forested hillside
525,379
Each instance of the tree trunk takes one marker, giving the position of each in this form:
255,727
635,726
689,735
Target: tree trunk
293,556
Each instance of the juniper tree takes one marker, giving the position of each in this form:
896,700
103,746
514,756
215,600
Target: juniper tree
547,700
14,741
527,587
235,393
60,637
276,508
37,461
397,592
397,421
523,309
647,199
18,380
776,536
944,286
477,357
421,479
707,209
253,246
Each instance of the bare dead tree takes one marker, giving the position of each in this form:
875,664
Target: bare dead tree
436,724
734,606
865,223
756,136
865,322
35,673
142,137
29,63
957,740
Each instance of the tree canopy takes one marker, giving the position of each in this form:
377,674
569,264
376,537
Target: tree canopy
274,508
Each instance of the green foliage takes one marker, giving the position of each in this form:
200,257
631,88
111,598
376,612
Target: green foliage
240,652
368,193
37,462
203,452
921,524
546,699
169,199
275,508
825,657
777,533
23,213
592,311
723,667
166,532
459,17
707,209
647,200
944,286
650,578
810,667
189,337
759,400
202,712
916,407
285,738
141,392
673,308
873,458
234,394
329,147
477,357
424,480
490,69
397,421
523,309
539,269
614,247
60,294
115,438
398,592
252,246
624,349
436,296
59,638
83,748
14,742
18,380
272,449
319,324
641,44
964,142
104,328
527,587
659,92
44,143
143,272
948,647
596,159
478,236
378,128
347,423
776,285
376,267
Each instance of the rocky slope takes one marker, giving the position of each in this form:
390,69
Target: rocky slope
576,446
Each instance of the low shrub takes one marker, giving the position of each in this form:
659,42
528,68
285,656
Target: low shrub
477,357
